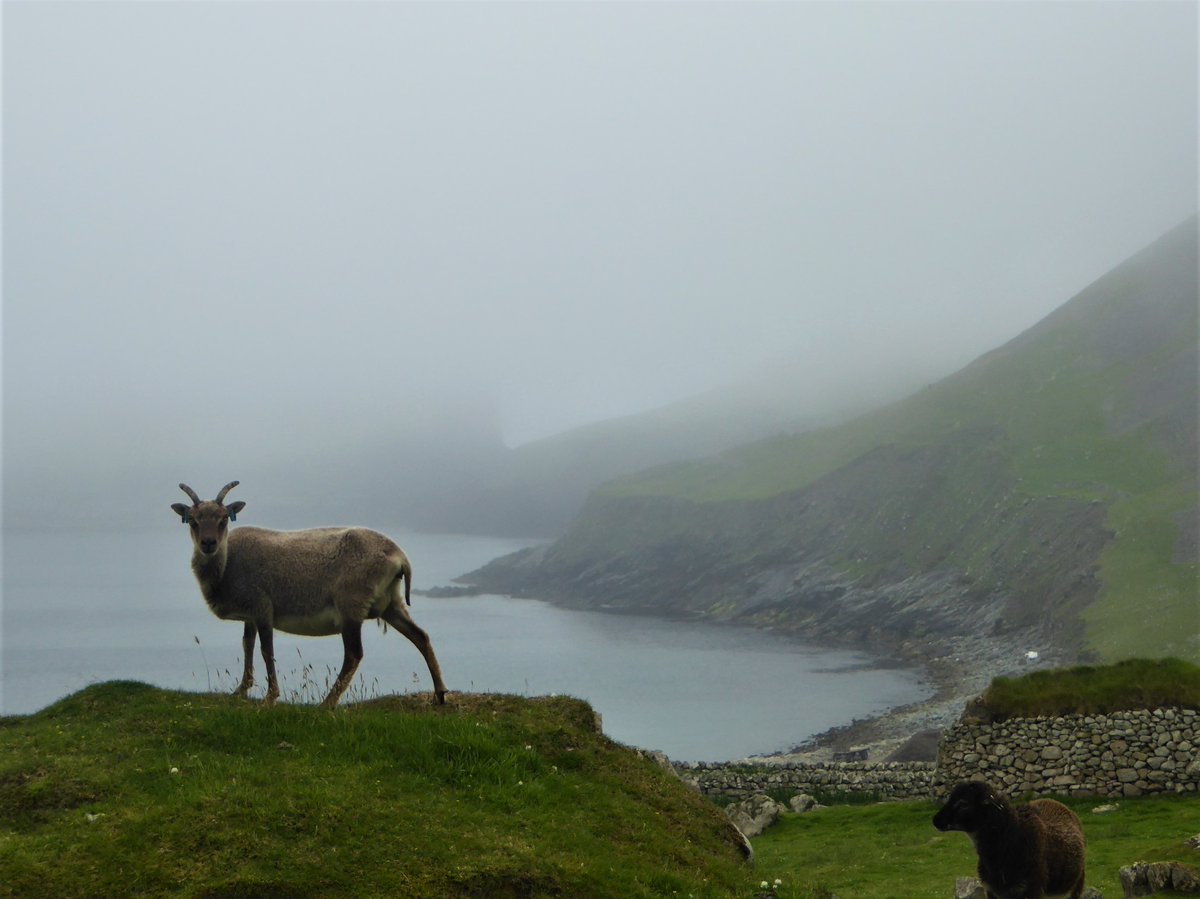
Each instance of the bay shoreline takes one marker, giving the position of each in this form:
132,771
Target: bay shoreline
961,671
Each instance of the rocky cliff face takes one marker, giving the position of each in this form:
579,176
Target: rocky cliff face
916,560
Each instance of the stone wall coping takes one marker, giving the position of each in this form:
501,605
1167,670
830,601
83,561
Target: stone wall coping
767,765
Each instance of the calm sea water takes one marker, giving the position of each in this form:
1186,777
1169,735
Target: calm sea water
82,607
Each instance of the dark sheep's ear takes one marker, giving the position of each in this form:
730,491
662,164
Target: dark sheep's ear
234,508
181,510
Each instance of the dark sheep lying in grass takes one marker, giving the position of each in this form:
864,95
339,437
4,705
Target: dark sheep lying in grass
1029,851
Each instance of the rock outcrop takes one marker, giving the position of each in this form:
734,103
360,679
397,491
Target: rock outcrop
754,815
1147,878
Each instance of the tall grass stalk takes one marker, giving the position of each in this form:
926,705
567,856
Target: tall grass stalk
207,670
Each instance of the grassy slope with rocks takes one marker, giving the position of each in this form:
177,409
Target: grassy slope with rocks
1047,492
127,790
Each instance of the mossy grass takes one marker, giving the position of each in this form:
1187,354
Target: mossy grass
127,790
1096,689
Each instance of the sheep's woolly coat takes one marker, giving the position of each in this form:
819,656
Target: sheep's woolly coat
328,576
1031,851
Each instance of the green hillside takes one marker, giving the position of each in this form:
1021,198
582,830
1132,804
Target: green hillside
1096,397
127,790
1054,480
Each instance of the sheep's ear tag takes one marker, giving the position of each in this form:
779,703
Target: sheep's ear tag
233,516
184,518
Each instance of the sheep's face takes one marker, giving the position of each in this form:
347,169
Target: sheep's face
970,807
208,523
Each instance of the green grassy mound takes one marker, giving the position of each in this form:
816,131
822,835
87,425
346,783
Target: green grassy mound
127,790
1096,689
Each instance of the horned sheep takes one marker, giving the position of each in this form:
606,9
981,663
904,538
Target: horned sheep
1028,851
314,582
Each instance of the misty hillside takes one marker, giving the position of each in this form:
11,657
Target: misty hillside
544,483
1046,494
461,478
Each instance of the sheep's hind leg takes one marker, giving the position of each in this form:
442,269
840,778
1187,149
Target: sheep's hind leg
397,616
352,643
248,636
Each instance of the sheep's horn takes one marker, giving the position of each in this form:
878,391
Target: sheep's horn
191,494
226,489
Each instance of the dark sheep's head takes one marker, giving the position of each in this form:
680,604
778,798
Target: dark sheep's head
971,807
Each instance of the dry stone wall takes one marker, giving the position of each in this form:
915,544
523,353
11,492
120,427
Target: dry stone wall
1122,754
891,780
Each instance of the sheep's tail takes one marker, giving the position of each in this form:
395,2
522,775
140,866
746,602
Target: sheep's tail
406,575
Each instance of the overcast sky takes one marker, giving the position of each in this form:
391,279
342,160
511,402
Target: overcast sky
233,225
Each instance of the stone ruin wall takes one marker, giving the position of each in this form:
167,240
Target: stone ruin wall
1123,754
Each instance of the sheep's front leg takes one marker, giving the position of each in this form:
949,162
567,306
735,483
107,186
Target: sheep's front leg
248,655
266,638
352,643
